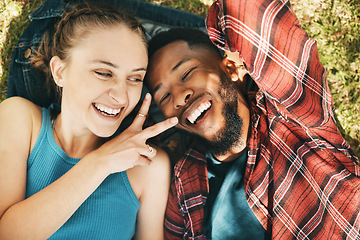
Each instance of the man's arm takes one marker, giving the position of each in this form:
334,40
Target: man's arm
278,54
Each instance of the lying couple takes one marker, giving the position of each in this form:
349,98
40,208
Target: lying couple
267,161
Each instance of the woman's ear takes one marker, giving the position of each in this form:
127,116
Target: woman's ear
57,67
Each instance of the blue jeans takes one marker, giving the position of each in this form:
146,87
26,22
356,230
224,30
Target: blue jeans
26,82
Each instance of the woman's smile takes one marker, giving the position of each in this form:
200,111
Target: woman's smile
107,111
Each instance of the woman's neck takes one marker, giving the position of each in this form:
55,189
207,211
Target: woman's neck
76,143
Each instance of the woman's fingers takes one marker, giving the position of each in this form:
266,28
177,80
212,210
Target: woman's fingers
142,114
158,128
137,125
145,156
150,152
142,161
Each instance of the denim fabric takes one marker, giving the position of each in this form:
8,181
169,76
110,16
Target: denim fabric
26,82
23,80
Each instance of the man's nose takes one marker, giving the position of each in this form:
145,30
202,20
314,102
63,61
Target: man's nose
181,96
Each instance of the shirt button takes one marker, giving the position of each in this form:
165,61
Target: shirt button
27,53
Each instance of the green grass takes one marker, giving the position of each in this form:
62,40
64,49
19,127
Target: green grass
13,21
334,24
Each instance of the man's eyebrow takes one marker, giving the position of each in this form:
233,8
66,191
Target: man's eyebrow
156,88
173,69
180,63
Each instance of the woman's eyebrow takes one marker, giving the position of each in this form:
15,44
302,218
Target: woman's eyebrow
139,69
105,62
115,66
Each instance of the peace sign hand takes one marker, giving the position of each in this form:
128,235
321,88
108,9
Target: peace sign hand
129,148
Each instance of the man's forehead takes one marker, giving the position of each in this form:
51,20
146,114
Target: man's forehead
174,50
175,53
173,56
168,57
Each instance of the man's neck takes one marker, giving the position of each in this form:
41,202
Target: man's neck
232,154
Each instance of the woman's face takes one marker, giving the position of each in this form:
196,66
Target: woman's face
102,79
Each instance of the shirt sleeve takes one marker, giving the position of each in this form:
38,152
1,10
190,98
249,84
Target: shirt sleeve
174,221
278,55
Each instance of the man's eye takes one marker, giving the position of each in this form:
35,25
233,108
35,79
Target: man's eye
103,74
187,73
165,97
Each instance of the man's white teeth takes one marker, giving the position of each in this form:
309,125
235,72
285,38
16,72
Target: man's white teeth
106,110
194,116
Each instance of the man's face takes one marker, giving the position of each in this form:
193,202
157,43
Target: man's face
194,85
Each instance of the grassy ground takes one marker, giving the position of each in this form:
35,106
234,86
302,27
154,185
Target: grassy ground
335,24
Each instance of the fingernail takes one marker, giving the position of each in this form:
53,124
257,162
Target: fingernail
147,96
174,120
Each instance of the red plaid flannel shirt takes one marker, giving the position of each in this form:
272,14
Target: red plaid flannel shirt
302,181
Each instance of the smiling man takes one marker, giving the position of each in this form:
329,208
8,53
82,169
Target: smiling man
193,91
269,161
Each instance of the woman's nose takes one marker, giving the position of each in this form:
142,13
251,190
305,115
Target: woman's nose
118,93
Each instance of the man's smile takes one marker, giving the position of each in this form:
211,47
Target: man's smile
199,112
196,111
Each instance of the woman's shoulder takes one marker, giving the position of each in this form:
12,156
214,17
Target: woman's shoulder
157,174
21,116
160,161
159,164
19,106
159,169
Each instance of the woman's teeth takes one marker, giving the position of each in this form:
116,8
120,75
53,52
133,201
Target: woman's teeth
201,108
105,110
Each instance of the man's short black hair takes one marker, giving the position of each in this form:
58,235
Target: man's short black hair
193,37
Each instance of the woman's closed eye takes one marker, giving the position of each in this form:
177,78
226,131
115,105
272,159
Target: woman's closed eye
103,74
136,79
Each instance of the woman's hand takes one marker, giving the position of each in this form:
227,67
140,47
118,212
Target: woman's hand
129,149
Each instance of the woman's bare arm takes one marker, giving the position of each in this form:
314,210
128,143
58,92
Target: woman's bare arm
156,178
40,215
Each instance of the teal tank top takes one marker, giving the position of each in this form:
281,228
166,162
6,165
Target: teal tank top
109,212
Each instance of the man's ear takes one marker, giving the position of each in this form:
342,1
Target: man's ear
57,67
235,66
231,68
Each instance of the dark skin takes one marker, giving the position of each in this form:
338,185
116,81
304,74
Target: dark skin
185,83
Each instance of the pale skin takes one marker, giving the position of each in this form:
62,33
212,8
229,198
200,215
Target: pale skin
20,122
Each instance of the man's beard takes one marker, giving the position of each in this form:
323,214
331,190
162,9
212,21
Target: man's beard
229,135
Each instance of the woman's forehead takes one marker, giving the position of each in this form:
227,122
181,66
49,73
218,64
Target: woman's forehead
114,43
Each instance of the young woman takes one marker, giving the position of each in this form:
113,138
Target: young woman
60,175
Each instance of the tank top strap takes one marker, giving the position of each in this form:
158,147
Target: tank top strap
45,126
